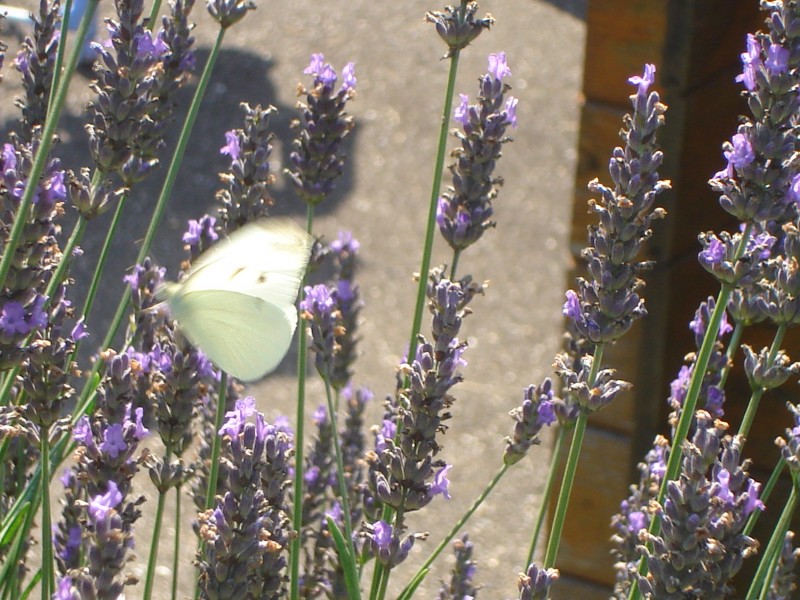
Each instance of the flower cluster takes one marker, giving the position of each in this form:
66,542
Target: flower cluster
36,64
23,296
317,158
246,197
605,307
137,76
404,473
537,410
464,212
246,534
712,393
702,544
535,583
461,582
106,462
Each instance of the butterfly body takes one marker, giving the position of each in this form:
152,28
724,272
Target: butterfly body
237,303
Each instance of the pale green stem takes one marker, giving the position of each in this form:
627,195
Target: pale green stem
456,528
546,494
763,575
560,515
153,557
299,443
48,577
441,152
343,491
755,397
176,549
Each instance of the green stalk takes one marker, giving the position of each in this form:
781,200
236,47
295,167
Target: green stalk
343,492
560,515
570,469
176,549
104,252
62,47
763,575
755,397
42,152
151,563
299,449
415,580
548,490
153,14
441,151
765,494
48,577
216,447
456,256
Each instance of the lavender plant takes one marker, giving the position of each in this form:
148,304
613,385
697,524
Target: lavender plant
279,515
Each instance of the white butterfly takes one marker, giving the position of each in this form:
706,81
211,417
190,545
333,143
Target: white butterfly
237,303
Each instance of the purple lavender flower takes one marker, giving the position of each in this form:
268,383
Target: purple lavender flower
36,63
201,234
235,563
385,544
644,81
751,62
246,196
461,586
597,312
441,484
536,411
317,159
464,212
701,545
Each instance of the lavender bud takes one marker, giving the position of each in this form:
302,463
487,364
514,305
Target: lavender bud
457,26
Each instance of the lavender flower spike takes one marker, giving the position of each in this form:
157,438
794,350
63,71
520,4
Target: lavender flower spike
601,312
464,212
317,159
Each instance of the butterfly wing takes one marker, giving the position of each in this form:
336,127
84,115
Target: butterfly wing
243,335
266,259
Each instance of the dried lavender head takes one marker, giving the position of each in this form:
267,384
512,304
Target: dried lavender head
464,212
457,26
318,158
318,306
635,515
228,12
403,469
22,300
536,582
783,580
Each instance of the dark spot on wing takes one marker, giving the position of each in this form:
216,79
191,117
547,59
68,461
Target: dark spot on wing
262,278
235,273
